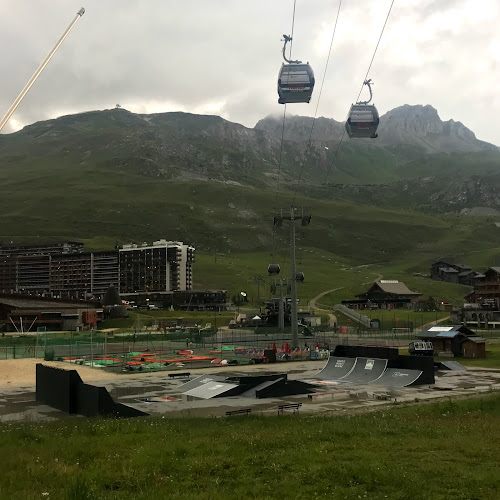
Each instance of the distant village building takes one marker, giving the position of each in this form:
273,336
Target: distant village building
482,305
458,341
384,294
452,273
486,289
26,313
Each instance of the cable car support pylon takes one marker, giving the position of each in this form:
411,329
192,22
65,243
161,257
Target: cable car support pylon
305,219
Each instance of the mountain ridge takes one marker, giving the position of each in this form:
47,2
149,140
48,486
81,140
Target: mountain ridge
405,125
182,146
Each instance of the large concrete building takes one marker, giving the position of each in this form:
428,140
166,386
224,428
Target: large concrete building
164,266
63,270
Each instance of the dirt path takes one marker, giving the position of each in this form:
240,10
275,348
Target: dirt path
332,319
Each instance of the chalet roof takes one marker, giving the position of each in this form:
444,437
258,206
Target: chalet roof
447,332
496,269
393,286
438,262
448,270
476,340
466,273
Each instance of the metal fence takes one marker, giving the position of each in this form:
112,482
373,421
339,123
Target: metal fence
101,344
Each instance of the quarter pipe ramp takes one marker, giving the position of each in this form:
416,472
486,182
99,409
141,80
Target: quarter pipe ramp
337,368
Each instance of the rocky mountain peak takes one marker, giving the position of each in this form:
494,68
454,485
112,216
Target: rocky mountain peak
420,119
298,128
421,125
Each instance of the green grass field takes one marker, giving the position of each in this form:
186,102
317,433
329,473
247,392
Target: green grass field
492,359
441,451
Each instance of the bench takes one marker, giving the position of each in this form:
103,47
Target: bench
179,375
245,411
292,406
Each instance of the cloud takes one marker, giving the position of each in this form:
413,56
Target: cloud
222,57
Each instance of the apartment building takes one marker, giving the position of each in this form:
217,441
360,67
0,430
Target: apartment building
62,270
64,247
164,266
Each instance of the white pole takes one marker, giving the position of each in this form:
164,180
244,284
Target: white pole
20,97
17,329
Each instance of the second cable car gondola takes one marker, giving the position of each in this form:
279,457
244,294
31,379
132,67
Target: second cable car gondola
363,118
295,80
273,269
299,276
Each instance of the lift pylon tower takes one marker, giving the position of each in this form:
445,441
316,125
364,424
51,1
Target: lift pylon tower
281,283
295,214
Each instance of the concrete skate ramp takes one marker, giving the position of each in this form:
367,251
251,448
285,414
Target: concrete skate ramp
451,365
211,390
337,368
199,381
366,370
252,393
394,377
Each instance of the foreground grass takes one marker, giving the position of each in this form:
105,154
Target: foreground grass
440,451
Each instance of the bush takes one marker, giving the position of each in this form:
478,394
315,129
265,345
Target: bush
49,355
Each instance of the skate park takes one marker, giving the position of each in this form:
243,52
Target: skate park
352,379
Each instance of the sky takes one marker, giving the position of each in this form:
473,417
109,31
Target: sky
223,56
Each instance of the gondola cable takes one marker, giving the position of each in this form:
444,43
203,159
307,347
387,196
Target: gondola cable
361,90
317,103
274,269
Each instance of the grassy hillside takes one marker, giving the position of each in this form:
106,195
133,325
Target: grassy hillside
88,178
103,208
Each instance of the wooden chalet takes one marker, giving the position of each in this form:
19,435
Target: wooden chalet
458,341
384,294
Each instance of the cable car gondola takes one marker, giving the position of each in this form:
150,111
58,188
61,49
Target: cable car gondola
363,118
273,269
299,277
295,80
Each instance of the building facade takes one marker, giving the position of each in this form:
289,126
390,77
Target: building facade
63,270
452,273
487,288
27,313
457,340
164,266
384,294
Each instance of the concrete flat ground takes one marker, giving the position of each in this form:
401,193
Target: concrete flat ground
157,395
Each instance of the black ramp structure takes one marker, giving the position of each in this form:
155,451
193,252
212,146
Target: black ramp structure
213,389
394,377
337,368
365,351
65,390
252,393
57,387
199,381
366,370
281,388
451,365
425,364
